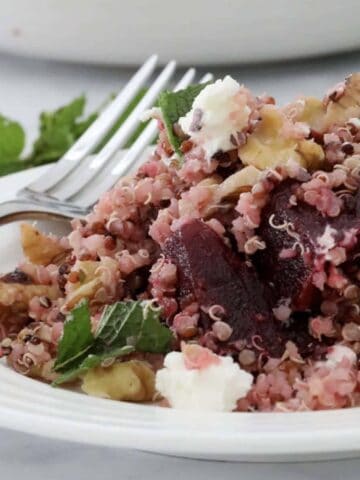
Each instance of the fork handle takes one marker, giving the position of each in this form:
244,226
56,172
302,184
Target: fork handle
19,209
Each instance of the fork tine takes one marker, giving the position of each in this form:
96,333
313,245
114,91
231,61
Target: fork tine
122,167
122,135
207,77
82,176
94,134
148,135
126,162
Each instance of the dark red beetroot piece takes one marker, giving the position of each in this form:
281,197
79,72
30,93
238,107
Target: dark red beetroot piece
212,274
291,278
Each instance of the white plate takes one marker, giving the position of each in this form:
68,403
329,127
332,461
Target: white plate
198,32
31,406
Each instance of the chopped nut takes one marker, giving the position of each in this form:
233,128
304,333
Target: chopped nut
132,381
266,148
346,107
85,280
238,182
312,113
39,248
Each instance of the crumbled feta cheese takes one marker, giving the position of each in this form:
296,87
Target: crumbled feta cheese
337,353
327,240
215,386
218,112
154,112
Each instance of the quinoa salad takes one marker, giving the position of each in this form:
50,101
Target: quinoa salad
224,275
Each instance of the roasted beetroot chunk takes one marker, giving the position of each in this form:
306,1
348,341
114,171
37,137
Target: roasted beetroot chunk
289,278
292,278
210,273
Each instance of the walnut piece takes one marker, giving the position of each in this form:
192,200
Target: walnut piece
92,275
37,247
132,381
267,147
238,182
347,106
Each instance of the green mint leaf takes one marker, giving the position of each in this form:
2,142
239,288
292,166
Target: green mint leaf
120,323
124,327
154,337
77,338
91,361
11,166
12,140
134,323
81,126
58,131
175,105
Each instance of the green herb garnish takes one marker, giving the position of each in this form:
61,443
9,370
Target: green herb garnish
77,338
12,142
58,131
175,105
124,327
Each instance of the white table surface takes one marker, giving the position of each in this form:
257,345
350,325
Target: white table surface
26,88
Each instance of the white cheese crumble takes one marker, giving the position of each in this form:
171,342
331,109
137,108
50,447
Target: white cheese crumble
154,112
217,113
337,353
214,388
327,240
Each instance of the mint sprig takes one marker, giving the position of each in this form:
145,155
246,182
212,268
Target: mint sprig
58,131
124,327
12,142
77,337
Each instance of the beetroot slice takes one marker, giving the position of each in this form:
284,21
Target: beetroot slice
291,278
210,273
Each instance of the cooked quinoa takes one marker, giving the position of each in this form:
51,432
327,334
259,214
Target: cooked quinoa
245,235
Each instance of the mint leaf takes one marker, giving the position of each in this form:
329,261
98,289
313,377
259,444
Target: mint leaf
58,131
77,338
91,361
134,323
124,327
175,105
12,142
81,126
12,139
11,166
120,322
154,337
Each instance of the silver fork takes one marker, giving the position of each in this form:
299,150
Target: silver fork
73,185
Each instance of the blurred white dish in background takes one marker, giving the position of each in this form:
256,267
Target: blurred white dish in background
198,32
